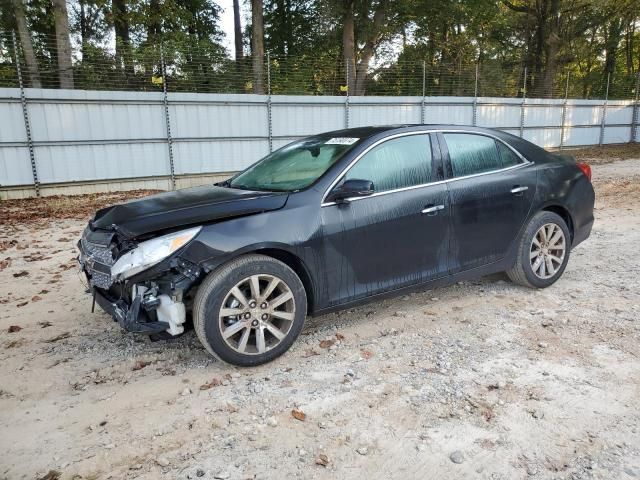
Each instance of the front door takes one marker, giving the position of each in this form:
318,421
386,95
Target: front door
399,235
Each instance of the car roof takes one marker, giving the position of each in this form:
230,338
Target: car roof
525,147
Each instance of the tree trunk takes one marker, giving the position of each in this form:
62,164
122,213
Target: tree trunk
630,34
27,46
349,46
551,47
63,43
237,30
257,45
154,28
612,40
369,48
123,40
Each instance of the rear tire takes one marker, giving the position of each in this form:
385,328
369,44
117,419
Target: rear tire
543,252
250,310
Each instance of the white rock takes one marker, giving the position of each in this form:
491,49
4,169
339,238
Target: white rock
272,422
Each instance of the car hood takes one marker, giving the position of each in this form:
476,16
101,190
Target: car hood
185,207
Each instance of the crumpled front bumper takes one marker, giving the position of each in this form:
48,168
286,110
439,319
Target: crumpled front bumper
128,316
129,311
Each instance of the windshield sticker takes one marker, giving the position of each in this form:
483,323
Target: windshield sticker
341,141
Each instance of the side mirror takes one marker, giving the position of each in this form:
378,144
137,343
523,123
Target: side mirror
350,189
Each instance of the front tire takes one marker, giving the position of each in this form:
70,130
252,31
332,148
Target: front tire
543,252
250,311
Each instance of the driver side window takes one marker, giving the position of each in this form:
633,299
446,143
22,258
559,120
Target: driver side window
397,163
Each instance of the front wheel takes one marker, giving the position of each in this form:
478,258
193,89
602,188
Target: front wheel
543,252
250,311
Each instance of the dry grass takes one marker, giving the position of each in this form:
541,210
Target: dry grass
606,153
35,210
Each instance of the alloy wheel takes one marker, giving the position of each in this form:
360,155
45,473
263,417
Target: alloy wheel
257,314
547,251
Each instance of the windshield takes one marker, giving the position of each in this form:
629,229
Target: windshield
294,166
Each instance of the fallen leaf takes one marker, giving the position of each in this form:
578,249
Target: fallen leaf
22,304
43,292
310,353
366,354
16,343
213,383
340,336
62,336
322,460
23,273
139,365
45,324
36,298
5,263
51,475
299,414
326,343
14,328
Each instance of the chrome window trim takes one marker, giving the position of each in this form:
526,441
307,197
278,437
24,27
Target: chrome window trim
524,163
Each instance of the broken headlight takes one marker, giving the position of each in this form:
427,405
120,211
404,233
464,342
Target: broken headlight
149,253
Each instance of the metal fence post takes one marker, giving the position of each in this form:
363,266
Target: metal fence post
604,111
346,101
167,118
636,112
269,113
524,100
424,91
475,99
25,115
564,112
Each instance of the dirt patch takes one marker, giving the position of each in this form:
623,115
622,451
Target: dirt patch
59,207
605,153
482,379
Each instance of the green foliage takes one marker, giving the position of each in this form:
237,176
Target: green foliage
431,47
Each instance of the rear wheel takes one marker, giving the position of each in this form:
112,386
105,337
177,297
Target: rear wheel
543,252
250,311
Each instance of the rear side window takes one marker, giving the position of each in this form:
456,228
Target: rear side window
472,154
508,158
397,163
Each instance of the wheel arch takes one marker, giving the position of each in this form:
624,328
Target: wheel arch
564,213
296,264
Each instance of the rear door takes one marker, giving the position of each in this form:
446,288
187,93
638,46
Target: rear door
492,189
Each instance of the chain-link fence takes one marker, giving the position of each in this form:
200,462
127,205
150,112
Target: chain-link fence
202,66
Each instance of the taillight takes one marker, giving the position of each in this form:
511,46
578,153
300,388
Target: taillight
586,169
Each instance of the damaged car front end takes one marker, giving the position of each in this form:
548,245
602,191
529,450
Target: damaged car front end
138,258
141,284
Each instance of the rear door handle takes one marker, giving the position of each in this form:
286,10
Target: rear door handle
432,210
517,190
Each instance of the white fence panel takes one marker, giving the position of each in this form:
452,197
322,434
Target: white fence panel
499,112
76,163
83,136
194,157
15,166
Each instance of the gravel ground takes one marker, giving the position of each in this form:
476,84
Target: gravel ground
482,379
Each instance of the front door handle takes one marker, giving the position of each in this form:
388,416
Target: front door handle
432,210
517,190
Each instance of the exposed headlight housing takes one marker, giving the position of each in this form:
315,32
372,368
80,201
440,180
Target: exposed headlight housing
149,253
